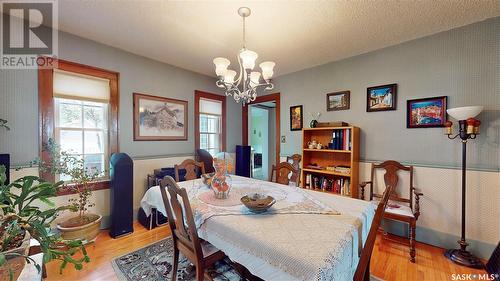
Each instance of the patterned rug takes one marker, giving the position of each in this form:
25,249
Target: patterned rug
154,263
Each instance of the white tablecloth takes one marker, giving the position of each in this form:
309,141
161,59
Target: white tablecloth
287,246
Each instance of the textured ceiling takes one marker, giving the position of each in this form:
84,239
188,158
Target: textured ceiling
295,34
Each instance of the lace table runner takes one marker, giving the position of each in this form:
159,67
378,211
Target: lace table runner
289,200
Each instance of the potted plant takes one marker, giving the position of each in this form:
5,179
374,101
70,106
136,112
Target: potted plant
22,218
80,181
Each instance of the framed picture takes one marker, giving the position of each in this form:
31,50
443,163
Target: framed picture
381,98
296,118
159,118
426,113
338,101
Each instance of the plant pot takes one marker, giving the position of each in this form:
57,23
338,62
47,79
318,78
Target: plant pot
86,232
15,263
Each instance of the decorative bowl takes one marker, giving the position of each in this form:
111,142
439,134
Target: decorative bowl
207,178
257,203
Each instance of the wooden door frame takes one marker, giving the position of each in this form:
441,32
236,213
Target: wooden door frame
244,114
197,96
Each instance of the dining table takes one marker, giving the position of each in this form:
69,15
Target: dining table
305,235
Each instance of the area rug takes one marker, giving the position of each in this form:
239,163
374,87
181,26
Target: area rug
154,263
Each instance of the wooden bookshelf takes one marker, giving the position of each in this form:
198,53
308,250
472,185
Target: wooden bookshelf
346,157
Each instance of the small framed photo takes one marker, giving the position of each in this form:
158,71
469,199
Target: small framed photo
426,112
381,98
159,118
338,101
296,118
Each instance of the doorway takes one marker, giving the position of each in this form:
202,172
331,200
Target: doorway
261,129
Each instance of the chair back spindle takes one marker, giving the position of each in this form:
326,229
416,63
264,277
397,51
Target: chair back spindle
180,216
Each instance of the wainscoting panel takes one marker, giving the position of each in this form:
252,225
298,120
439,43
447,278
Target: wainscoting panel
440,220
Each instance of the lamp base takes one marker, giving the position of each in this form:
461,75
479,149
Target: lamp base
463,257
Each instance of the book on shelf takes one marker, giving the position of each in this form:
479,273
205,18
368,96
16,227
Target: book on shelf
341,139
339,186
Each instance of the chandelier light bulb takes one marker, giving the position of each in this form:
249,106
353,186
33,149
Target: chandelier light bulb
229,76
248,59
267,69
221,65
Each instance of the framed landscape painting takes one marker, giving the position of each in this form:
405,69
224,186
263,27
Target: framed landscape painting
338,101
296,118
425,113
381,98
159,118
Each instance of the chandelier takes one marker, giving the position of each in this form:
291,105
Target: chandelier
245,87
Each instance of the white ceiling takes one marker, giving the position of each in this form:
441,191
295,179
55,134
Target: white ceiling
295,34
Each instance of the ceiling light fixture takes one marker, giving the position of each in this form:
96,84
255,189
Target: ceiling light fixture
245,87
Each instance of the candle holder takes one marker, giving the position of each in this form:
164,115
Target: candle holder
468,128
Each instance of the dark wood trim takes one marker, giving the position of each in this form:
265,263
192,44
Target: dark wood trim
136,97
46,107
45,115
244,124
200,94
100,185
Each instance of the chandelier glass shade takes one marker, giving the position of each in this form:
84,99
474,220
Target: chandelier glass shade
244,86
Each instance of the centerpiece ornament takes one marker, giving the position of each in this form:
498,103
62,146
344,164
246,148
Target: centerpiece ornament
245,87
221,181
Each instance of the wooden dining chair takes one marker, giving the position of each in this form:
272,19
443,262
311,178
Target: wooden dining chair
184,234
363,269
281,171
406,209
193,169
295,161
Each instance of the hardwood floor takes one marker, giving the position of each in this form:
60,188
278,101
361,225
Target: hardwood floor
389,260
103,251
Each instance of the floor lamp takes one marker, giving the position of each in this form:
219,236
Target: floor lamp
468,128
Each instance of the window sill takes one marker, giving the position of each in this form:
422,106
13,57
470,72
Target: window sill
99,185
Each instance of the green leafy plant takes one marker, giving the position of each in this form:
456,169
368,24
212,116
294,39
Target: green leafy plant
80,181
21,212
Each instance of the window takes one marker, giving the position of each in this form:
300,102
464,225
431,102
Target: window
210,122
81,118
81,129
79,109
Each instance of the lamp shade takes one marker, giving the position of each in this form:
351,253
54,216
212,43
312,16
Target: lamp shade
248,58
465,112
267,69
229,76
221,65
254,78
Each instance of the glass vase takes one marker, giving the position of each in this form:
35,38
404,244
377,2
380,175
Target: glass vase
221,181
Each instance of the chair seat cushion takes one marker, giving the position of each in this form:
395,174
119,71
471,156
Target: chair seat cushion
396,208
208,249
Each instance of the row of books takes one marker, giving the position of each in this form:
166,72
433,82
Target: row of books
339,169
340,186
341,139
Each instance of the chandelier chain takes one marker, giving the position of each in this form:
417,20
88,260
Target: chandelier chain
244,34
